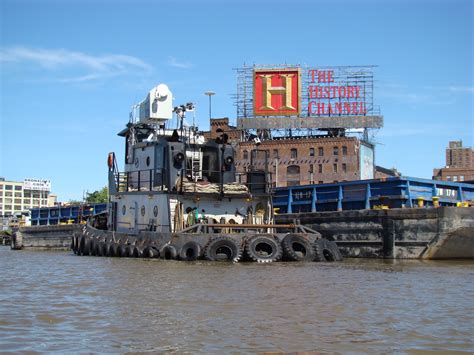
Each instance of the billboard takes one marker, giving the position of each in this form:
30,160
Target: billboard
366,162
306,97
37,184
277,92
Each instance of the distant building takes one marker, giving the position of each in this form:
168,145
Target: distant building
17,197
383,173
300,160
459,164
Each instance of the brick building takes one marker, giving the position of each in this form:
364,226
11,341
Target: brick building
459,164
300,160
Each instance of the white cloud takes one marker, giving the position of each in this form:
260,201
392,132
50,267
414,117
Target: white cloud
172,61
90,67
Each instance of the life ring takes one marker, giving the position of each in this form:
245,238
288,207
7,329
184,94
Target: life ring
110,160
190,251
297,248
223,249
263,248
326,250
168,252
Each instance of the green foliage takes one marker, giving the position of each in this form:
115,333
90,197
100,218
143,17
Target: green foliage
101,196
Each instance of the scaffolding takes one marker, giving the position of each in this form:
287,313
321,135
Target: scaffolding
308,123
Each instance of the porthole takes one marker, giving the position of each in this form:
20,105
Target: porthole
147,161
124,210
137,163
142,211
155,211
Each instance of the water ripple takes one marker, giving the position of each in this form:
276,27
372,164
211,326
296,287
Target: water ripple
58,302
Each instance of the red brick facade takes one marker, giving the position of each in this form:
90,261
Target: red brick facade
459,164
296,161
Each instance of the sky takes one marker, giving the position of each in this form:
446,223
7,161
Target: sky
71,70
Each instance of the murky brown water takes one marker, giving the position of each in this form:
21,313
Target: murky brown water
56,301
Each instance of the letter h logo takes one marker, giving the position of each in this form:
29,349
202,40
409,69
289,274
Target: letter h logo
276,92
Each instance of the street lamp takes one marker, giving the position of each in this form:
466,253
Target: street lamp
209,93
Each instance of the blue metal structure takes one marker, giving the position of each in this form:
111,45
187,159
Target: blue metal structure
395,192
65,214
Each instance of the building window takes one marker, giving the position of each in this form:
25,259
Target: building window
294,153
18,201
311,168
321,151
8,187
18,187
455,178
311,152
344,150
27,194
334,168
320,182
246,155
344,167
320,168
335,150
293,175
17,194
275,153
8,194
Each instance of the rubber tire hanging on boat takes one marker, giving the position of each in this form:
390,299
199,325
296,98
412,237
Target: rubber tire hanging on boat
109,249
263,248
168,252
98,247
137,251
326,250
84,246
190,251
121,250
150,252
297,248
223,249
76,246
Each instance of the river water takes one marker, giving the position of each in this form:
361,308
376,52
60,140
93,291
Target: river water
59,302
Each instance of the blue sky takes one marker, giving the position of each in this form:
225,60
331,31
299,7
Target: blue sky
71,70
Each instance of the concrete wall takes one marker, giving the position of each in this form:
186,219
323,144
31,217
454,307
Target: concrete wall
431,233
58,237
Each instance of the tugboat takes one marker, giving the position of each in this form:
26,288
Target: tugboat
179,197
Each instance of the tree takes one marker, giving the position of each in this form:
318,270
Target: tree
101,196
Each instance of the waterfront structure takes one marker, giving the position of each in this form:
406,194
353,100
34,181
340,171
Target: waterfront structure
20,196
459,164
299,160
297,120
66,214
